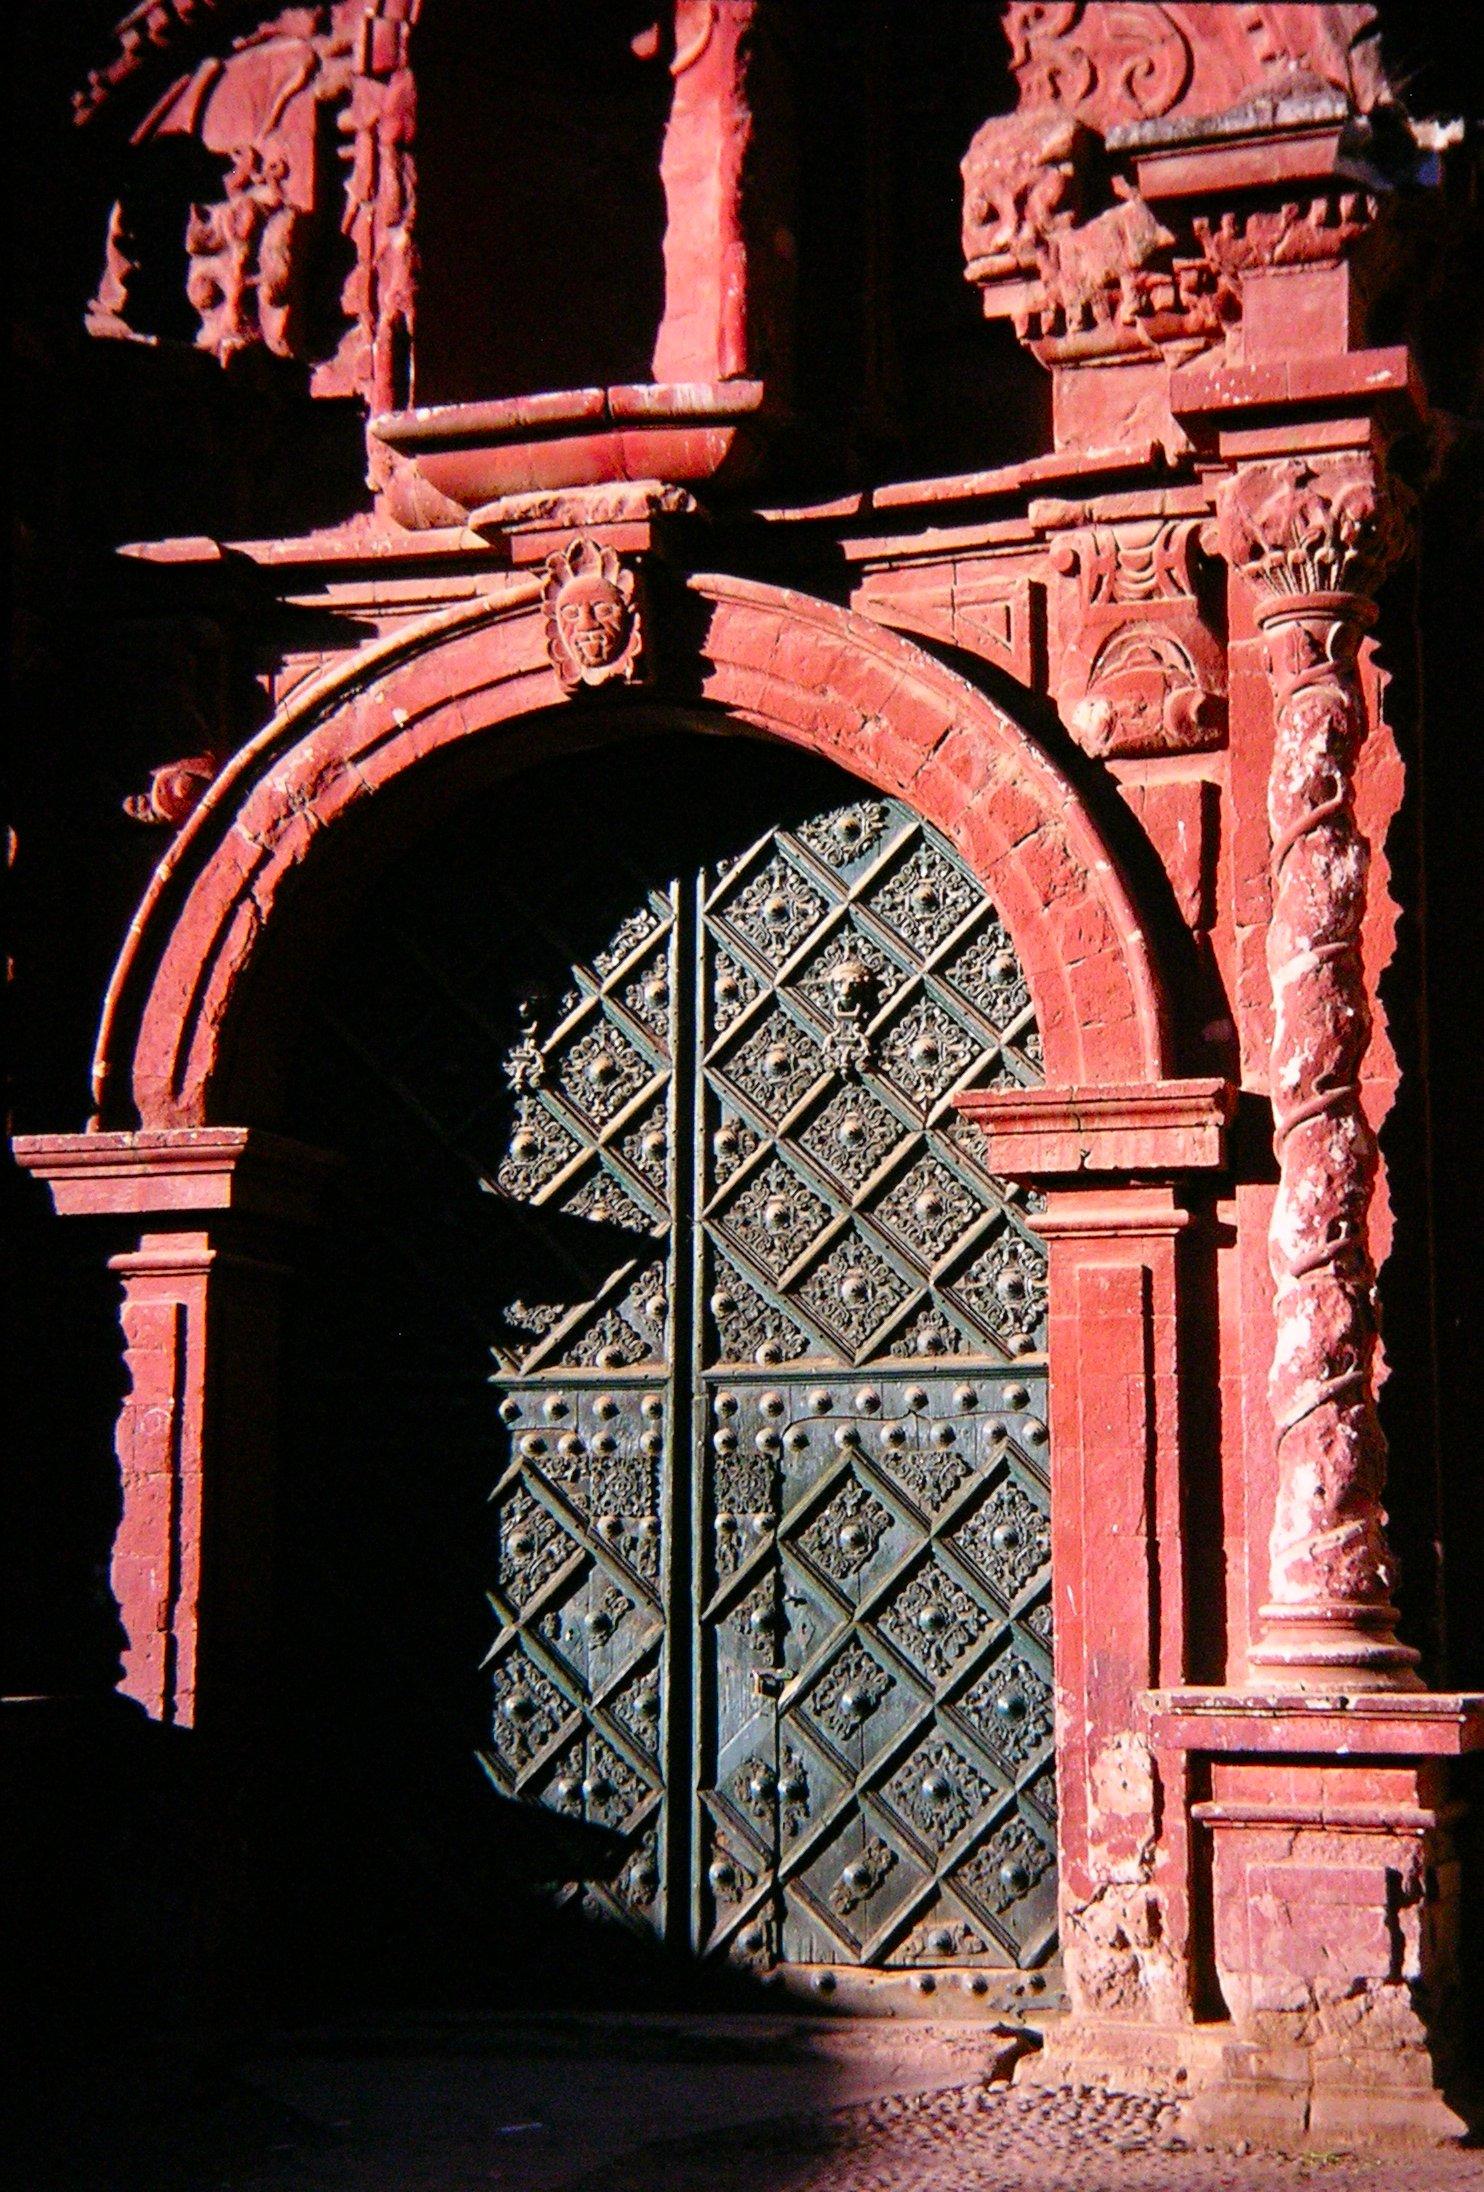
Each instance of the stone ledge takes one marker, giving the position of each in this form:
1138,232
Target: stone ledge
1157,1126
1370,1724
177,1172
1370,379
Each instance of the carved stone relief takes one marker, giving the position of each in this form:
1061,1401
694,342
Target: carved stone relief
1062,244
1138,669
310,117
594,633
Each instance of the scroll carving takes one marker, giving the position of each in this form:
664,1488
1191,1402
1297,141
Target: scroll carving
1314,540
1114,62
175,791
1111,62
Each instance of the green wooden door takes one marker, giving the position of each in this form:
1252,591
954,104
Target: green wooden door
769,1576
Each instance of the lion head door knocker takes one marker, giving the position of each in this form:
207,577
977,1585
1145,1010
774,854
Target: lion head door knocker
851,987
594,629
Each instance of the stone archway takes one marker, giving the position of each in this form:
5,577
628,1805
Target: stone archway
464,698
792,668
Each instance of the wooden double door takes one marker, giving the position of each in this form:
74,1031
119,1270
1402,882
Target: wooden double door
768,1564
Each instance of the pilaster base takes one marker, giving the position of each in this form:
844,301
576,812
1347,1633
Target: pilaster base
1272,2092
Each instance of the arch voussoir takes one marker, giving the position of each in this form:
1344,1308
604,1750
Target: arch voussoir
790,667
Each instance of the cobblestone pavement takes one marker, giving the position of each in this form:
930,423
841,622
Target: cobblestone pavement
619,2104
978,2138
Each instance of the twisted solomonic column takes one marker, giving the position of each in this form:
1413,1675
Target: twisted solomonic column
1315,539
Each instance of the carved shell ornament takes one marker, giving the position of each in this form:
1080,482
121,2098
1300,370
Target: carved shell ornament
594,634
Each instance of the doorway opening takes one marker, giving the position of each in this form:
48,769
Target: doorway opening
668,1464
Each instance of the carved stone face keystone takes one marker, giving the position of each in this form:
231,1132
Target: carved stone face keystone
592,619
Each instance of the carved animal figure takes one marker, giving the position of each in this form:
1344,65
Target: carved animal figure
1020,184
1083,264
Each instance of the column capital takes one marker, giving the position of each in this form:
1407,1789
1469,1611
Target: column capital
1301,527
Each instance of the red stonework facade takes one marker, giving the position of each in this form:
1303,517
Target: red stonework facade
1137,677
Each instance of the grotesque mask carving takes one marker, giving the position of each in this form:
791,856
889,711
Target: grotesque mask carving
1022,182
593,630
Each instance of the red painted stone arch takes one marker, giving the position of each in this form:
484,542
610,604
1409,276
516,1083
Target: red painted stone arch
788,666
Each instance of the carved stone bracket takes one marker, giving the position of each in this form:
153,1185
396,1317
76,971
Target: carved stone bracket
1138,668
1314,540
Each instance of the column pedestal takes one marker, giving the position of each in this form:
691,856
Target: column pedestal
1324,1830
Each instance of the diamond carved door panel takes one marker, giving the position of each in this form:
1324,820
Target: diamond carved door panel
577,1668
876,1784
892,1611
769,1581
583,1512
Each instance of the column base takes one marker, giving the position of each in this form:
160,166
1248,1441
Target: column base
1341,1645
1271,2092
1285,2095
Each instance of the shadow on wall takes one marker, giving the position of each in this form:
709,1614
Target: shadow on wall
552,276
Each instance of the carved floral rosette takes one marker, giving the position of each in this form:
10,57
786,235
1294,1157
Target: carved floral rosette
594,625
1314,540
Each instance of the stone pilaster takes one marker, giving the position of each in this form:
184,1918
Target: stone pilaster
202,1209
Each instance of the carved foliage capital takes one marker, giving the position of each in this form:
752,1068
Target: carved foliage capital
1300,527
